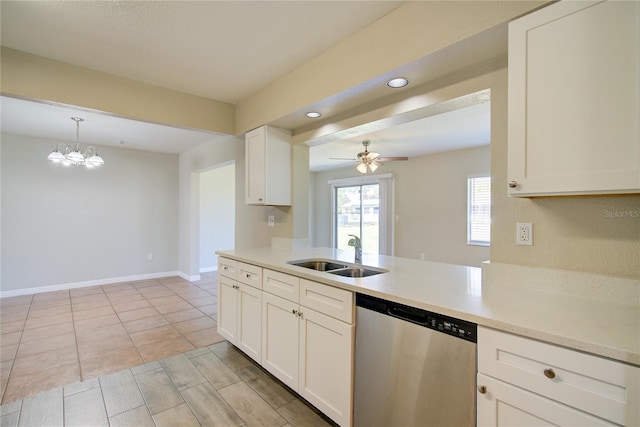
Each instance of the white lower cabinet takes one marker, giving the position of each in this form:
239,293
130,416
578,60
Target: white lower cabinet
527,382
325,370
240,310
503,404
280,332
309,351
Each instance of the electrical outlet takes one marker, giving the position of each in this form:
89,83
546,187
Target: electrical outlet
271,221
149,257
524,233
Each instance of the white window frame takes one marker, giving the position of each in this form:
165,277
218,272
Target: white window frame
470,185
386,213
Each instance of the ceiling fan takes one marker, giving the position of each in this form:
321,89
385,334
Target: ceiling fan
368,160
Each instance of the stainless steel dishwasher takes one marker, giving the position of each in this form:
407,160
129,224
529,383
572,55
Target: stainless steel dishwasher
413,367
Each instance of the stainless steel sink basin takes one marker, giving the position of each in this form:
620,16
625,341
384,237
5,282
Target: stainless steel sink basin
338,268
356,272
318,265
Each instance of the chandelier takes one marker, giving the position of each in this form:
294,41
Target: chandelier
67,155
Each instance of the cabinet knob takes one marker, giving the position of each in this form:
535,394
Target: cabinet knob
513,184
294,311
260,199
300,314
248,276
549,373
482,389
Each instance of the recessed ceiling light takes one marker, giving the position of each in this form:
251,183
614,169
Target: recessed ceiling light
313,114
398,82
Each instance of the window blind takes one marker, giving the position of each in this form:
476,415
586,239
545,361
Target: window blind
479,210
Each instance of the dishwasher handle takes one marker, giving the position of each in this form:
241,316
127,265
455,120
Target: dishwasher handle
438,322
408,314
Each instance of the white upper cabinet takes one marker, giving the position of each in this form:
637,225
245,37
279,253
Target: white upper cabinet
268,166
573,100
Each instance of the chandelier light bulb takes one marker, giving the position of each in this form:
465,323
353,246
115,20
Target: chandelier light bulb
67,155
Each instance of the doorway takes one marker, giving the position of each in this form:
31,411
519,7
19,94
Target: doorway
217,214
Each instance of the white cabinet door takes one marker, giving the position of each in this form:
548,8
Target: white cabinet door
280,331
326,347
573,100
249,332
227,308
268,166
255,166
505,405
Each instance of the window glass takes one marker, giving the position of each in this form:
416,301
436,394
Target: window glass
479,211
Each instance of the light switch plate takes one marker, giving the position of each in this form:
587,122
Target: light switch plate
271,221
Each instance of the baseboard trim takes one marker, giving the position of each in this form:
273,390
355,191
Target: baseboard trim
86,284
208,269
185,276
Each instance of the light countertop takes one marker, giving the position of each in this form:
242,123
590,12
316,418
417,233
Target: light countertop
587,312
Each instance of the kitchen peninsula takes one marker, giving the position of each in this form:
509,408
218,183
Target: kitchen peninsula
552,345
543,304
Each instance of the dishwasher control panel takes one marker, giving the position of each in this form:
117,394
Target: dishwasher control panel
438,322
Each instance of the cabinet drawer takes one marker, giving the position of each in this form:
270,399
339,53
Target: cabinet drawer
334,302
282,285
592,384
227,267
250,275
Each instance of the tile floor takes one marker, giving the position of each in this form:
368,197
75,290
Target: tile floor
210,386
143,353
54,339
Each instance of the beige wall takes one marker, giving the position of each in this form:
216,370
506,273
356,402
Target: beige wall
431,202
250,221
572,233
410,32
29,76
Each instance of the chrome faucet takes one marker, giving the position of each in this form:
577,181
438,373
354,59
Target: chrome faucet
357,245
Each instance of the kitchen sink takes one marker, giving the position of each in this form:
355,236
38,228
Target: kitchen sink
356,272
338,268
318,265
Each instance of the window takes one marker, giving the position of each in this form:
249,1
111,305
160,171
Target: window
479,211
355,215
363,206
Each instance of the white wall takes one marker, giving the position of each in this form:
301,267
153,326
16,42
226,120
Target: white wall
64,225
217,213
430,199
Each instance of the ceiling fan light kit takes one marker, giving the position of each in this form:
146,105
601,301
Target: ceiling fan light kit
68,155
368,161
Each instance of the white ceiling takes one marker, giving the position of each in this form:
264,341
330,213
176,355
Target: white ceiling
206,48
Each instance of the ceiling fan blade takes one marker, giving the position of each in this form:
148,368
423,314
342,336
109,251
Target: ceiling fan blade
343,158
391,159
373,155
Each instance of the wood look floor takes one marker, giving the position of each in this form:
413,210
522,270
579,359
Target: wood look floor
143,353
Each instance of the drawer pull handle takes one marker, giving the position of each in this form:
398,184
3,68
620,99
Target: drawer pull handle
482,389
549,373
